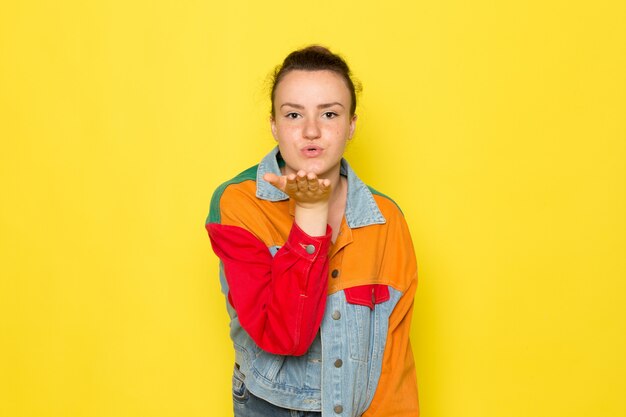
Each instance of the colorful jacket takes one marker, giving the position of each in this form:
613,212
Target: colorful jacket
318,326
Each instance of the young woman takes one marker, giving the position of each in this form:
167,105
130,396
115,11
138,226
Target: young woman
318,268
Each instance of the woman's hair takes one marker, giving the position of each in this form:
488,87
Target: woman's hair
314,58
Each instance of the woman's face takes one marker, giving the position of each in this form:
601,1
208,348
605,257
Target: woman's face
312,121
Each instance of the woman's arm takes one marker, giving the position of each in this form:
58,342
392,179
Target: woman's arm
279,300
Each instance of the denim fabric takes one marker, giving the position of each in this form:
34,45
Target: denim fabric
246,404
359,342
293,382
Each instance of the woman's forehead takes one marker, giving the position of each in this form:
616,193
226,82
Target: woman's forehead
309,85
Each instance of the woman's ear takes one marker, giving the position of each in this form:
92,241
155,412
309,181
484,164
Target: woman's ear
273,127
352,126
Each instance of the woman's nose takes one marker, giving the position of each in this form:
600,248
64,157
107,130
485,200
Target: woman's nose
311,130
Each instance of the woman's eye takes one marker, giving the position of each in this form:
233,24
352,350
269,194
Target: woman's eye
330,114
292,115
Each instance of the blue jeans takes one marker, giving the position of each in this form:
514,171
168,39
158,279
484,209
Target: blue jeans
245,404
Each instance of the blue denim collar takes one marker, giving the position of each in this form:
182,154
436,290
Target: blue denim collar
361,208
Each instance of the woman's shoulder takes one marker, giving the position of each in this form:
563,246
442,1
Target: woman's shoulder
233,193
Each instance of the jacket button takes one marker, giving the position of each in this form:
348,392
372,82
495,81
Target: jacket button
336,315
310,249
335,273
338,363
338,409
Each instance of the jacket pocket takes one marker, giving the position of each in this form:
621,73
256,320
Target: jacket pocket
361,317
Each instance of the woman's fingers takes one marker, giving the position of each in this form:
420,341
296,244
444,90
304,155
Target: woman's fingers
313,182
291,187
272,179
302,185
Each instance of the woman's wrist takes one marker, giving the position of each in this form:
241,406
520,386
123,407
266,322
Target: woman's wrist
312,218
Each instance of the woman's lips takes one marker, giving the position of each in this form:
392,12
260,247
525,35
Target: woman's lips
311,151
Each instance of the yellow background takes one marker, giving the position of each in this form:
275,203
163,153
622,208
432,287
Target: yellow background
499,128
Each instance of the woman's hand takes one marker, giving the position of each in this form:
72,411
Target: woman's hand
311,196
306,189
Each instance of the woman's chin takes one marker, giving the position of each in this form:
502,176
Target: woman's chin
312,167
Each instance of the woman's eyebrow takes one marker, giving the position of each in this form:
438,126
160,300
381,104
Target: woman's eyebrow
326,105
297,106
320,106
